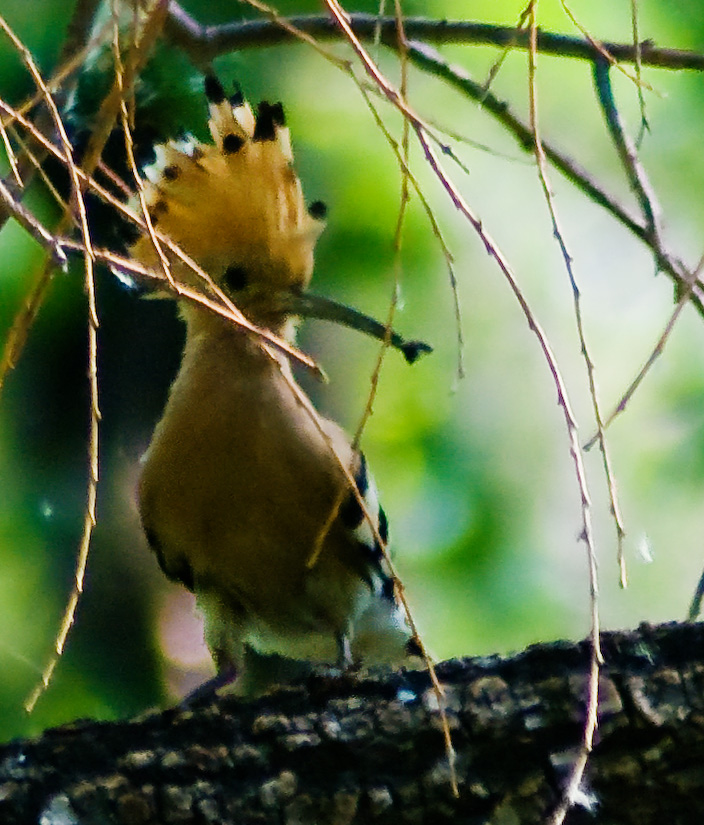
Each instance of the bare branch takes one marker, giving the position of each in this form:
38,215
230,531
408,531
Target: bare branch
628,154
204,43
580,763
429,58
577,304
644,126
230,310
655,353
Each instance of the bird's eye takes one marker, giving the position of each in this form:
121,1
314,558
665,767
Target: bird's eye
318,210
235,278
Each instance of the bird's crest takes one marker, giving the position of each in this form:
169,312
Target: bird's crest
235,205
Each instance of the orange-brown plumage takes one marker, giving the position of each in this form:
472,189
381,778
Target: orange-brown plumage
239,483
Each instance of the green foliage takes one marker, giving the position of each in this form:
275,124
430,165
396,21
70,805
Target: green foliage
168,94
475,474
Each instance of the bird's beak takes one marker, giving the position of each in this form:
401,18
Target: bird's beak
307,305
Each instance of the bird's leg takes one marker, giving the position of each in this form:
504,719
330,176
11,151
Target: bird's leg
208,690
344,652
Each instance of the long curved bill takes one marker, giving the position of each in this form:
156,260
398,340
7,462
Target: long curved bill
307,305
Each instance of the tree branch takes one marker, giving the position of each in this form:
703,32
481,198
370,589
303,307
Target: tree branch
429,59
203,43
209,41
369,749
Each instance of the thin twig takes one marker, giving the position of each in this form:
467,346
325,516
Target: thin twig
397,241
628,154
110,107
229,309
498,63
34,227
577,770
89,519
577,304
385,87
34,299
562,396
403,48
644,125
39,169
79,28
133,269
395,97
66,150
24,318
493,251
655,353
129,145
426,57
646,197
206,42
601,50
69,65
11,157
572,788
70,59
151,28
376,40
286,26
432,220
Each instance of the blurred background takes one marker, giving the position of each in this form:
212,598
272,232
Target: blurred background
475,474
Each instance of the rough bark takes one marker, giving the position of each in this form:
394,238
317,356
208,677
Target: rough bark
370,749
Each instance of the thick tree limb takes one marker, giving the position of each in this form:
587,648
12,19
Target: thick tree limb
369,750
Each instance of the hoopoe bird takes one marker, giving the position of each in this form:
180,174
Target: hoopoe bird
239,484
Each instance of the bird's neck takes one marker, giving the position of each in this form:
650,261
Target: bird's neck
224,346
